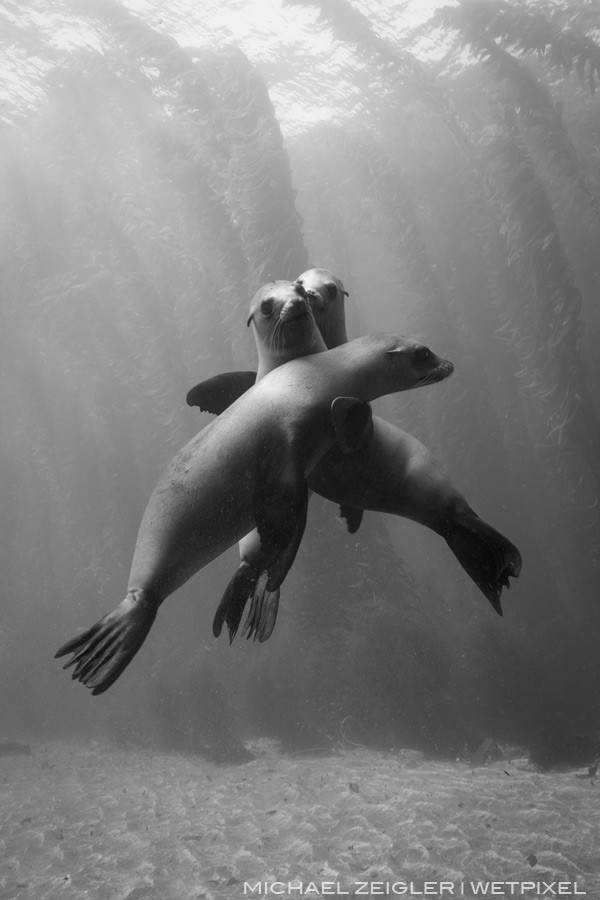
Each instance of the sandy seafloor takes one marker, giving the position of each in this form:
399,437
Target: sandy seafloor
102,821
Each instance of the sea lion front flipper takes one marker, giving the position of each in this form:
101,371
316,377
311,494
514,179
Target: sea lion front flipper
486,555
215,394
262,615
102,652
352,516
234,600
280,505
353,423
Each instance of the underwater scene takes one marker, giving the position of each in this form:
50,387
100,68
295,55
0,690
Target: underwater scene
300,449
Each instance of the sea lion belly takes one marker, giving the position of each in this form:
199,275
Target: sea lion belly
394,474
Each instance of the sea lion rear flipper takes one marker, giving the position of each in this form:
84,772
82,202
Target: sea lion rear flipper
234,600
280,504
102,652
263,611
352,516
215,394
353,423
487,556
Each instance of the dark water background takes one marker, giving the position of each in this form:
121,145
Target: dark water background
159,163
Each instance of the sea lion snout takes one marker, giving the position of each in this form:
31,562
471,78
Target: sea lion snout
322,283
295,308
313,296
415,361
326,297
443,370
435,368
278,301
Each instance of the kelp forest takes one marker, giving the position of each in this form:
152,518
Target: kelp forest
155,171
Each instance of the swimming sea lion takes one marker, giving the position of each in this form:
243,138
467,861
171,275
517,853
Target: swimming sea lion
394,473
283,330
327,301
397,474
281,333
248,466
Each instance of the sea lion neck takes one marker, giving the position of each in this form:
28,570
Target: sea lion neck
267,360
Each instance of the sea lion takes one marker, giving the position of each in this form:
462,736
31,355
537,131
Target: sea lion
281,333
283,330
394,473
397,474
327,301
248,466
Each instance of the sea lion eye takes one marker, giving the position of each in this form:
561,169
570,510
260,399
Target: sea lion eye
266,307
423,355
331,290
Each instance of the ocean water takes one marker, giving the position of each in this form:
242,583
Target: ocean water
159,164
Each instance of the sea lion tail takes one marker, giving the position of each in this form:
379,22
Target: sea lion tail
248,583
232,605
262,615
487,556
102,652
280,506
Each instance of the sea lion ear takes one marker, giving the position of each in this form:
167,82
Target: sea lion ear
345,293
250,317
215,394
353,423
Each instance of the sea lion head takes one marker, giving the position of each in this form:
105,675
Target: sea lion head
396,363
326,295
284,325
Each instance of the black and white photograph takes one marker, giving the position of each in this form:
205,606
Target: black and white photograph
299,449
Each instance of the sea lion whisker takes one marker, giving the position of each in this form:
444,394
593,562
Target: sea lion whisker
271,336
278,336
434,377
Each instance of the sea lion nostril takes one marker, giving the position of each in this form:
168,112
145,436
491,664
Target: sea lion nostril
294,309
